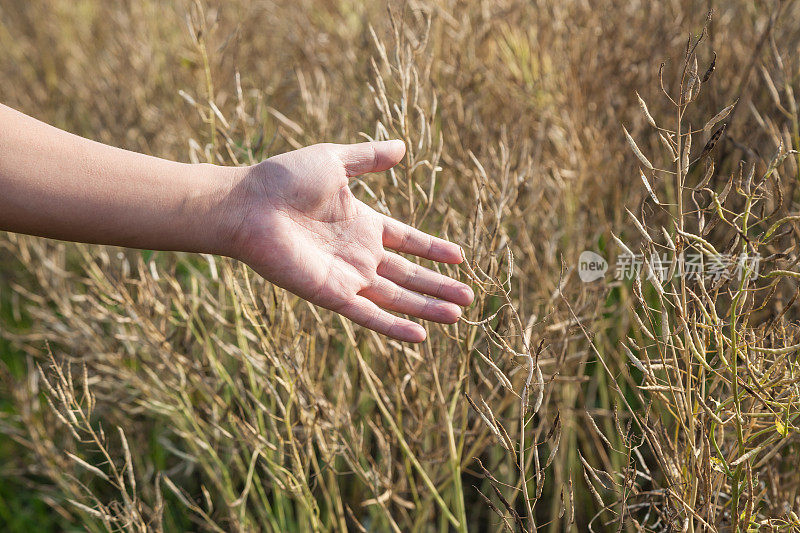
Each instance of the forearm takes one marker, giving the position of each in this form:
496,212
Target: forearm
292,218
55,184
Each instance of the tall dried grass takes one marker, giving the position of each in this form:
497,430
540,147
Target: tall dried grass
169,392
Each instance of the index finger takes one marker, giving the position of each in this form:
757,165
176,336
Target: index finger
403,238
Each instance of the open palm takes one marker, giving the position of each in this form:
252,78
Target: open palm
305,231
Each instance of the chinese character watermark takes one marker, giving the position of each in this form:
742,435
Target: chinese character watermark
661,267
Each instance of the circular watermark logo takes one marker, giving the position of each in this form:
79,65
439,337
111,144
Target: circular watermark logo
591,266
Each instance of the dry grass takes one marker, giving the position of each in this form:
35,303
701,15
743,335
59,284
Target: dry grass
174,392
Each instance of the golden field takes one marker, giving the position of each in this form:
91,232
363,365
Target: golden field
153,391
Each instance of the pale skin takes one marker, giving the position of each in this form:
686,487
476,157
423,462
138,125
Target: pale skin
292,218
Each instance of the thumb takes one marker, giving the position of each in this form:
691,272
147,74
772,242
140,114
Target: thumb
373,156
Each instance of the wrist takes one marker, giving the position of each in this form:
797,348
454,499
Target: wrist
219,209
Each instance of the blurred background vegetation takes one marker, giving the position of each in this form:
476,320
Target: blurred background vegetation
158,391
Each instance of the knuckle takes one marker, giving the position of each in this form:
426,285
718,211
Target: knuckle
331,152
372,319
396,296
426,306
409,275
440,287
406,270
392,325
405,239
374,154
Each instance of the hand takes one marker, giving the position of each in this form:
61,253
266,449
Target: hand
303,229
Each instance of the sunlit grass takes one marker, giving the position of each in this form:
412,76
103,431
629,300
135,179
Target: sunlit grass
160,391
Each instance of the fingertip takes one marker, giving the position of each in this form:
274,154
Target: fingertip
458,254
448,252
371,156
389,153
466,295
451,314
416,334
396,147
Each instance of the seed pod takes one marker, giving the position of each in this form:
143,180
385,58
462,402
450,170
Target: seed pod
636,150
706,177
710,69
668,144
647,114
687,149
635,360
648,187
713,141
719,116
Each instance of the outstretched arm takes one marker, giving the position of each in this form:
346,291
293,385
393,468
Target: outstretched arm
55,184
292,218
